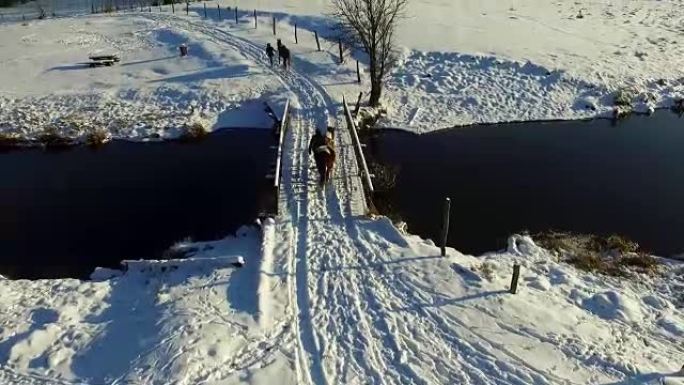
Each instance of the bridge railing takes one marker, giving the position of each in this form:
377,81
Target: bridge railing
281,129
366,176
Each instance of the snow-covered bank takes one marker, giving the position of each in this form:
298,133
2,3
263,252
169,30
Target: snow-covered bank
476,63
153,93
185,321
470,62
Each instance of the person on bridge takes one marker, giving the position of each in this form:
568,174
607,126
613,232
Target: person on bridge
323,149
270,52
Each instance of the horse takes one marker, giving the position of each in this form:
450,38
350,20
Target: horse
325,156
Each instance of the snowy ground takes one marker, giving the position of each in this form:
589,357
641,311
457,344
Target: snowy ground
328,296
462,62
152,93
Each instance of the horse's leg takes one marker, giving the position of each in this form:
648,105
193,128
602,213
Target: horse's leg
330,164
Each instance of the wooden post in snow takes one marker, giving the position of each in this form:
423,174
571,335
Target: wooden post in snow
274,25
318,43
236,15
256,22
358,72
445,224
296,40
205,10
358,104
341,51
173,7
514,279
218,7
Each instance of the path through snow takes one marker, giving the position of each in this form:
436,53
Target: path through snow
346,299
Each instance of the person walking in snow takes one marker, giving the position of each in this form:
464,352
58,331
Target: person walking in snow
280,46
286,57
270,52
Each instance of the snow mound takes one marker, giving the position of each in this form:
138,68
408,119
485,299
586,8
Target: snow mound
611,305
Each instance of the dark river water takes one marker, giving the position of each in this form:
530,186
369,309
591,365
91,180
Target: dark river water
64,213
586,177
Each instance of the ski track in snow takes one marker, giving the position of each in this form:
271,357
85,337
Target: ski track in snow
348,320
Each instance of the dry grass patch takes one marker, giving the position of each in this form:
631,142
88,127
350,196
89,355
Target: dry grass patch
613,255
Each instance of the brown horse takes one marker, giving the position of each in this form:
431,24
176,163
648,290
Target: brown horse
323,148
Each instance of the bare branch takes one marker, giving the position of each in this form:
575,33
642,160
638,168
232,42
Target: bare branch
372,23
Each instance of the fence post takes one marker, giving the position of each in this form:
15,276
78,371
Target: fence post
358,72
173,7
296,40
274,25
236,15
318,43
514,279
358,103
205,10
256,22
218,6
445,224
341,52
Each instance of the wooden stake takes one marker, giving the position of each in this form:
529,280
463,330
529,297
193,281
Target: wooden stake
236,15
358,103
173,7
205,10
296,40
256,23
274,26
187,7
219,9
514,279
341,52
318,43
445,224
358,72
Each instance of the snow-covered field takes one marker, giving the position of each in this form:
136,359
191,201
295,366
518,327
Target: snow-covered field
328,295
461,63
152,93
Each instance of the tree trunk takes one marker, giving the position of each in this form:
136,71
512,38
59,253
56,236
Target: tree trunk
375,94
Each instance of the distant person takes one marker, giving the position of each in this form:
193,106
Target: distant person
286,57
280,46
270,52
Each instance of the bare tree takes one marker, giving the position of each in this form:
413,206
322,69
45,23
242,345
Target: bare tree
372,23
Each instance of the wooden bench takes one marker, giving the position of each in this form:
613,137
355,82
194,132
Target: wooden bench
102,60
113,58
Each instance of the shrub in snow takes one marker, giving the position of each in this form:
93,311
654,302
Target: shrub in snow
613,255
486,270
194,131
624,97
8,139
51,137
97,137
